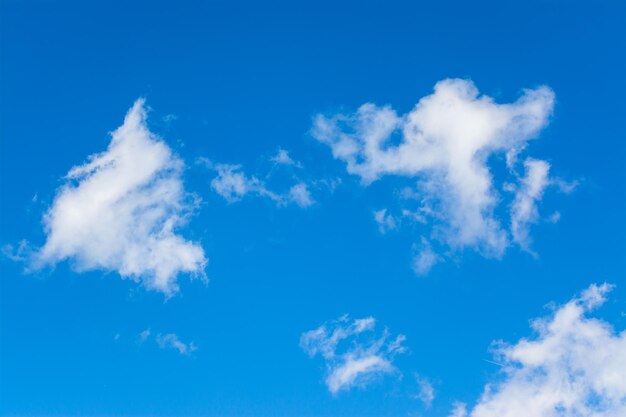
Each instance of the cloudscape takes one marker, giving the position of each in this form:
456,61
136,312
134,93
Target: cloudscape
342,209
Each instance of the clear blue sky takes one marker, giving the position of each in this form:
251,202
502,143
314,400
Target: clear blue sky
234,82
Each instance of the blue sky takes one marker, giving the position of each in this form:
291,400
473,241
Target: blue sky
241,207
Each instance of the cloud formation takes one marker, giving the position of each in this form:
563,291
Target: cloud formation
168,341
445,144
171,341
385,221
573,367
144,335
425,258
120,211
524,209
233,184
426,391
354,355
282,157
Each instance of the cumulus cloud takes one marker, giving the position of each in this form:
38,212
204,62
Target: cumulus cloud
573,367
233,184
354,354
121,209
444,144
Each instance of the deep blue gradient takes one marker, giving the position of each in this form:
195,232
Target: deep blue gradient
243,80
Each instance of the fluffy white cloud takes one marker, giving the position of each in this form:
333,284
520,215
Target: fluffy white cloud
353,355
233,184
575,366
120,210
445,143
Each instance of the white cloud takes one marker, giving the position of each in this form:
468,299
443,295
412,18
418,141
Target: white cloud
169,118
168,341
354,357
426,392
555,217
282,157
425,258
120,211
416,216
22,253
171,341
524,209
144,335
459,410
445,143
566,187
573,367
300,195
233,184
385,221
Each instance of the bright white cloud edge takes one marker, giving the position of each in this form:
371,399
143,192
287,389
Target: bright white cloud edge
120,212
354,355
445,143
575,366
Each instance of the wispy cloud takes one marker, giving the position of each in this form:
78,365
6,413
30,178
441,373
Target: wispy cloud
459,409
282,157
22,253
144,335
354,354
385,221
232,183
120,211
168,341
573,366
300,194
171,341
425,258
524,209
446,143
169,118
426,391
